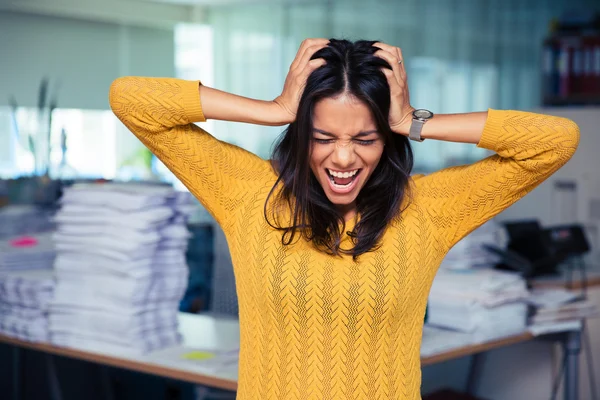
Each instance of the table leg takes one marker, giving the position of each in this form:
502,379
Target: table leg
17,353
572,349
53,383
474,373
106,383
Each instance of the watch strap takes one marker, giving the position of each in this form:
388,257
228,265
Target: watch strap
415,130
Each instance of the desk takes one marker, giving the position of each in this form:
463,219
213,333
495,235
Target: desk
560,280
222,334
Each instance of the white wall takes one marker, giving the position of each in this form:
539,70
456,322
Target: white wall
84,56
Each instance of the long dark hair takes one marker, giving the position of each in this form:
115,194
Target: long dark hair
353,69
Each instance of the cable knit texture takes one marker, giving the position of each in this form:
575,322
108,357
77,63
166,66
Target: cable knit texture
315,326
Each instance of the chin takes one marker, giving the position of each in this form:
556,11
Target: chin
341,200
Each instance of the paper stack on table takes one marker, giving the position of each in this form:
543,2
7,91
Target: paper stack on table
34,251
557,307
25,219
24,301
469,252
121,269
486,303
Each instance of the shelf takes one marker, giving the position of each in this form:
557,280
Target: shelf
573,100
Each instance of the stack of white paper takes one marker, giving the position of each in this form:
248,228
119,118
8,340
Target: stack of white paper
469,252
24,219
34,251
24,301
484,302
120,268
554,307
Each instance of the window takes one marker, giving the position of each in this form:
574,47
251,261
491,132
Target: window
448,87
89,150
193,60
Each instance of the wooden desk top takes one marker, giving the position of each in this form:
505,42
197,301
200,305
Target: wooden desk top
206,333
475,348
217,334
559,281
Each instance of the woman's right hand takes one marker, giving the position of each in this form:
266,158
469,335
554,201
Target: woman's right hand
302,66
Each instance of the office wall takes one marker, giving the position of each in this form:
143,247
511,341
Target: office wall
84,56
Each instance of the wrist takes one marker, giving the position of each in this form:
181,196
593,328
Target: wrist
280,114
403,127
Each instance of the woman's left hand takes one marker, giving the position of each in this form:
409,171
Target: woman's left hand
400,109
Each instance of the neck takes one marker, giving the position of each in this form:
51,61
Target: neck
348,211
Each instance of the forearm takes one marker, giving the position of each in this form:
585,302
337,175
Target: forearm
529,148
462,128
224,106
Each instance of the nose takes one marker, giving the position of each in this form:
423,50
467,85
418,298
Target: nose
343,156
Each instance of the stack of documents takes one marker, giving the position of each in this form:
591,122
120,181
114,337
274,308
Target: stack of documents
554,307
469,252
120,268
484,302
35,251
24,219
24,301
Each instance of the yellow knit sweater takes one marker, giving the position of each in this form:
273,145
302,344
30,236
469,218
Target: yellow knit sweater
315,326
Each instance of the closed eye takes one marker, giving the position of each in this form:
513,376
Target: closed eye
358,141
365,142
324,141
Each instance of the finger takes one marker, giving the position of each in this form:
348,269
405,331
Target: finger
402,64
303,47
397,52
392,60
395,88
310,67
308,53
386,47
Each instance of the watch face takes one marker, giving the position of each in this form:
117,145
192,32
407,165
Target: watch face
422,114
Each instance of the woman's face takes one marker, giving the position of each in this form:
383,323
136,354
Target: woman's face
345,149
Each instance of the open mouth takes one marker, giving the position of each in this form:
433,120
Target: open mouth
342,182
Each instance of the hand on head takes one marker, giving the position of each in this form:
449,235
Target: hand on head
301,68
400,109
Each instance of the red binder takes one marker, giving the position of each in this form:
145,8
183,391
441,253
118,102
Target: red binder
587,81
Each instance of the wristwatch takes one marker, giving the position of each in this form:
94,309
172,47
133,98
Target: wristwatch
420,116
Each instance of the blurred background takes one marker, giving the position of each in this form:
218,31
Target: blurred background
59,138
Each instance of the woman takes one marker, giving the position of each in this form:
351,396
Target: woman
334,244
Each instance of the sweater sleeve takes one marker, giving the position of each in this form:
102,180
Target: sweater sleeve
529,148
161,112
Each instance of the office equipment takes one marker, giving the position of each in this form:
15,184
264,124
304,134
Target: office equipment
527,239
567,240
529,251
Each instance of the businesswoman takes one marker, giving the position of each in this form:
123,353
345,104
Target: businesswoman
334,243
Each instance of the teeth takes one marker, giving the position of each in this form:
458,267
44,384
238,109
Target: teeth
342,174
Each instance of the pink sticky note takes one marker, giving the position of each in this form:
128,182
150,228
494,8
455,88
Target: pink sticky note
24,241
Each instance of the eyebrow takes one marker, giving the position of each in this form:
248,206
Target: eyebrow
360,134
